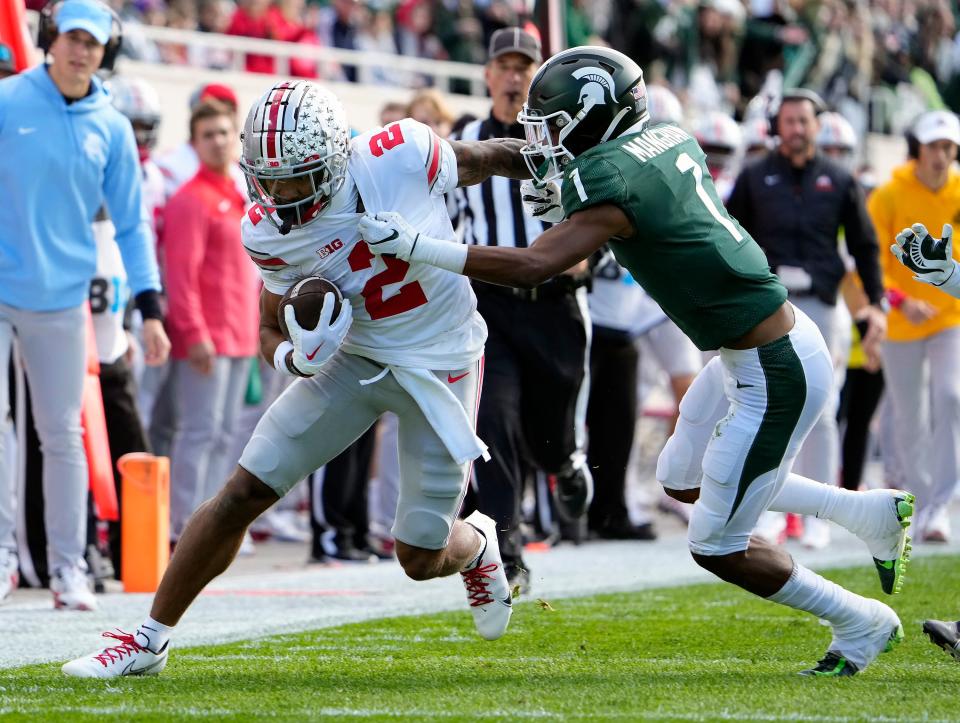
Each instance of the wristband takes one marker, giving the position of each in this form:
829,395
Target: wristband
448,255
148,303
284,349
896,298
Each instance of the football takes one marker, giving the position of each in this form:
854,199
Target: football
306,297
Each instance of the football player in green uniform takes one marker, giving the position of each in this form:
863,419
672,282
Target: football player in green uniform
646,190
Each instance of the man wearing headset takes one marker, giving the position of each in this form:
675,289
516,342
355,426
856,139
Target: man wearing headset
67,151
794,201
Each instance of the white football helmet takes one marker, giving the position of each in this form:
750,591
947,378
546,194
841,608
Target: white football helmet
140,103
663,106
295,130
756,135
837,139
720,138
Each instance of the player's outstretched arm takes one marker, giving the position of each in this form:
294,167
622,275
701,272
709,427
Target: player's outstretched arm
478,160
554,251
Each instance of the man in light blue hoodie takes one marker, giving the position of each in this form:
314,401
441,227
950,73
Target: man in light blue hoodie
64,152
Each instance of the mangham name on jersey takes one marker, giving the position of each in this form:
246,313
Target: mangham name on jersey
654,141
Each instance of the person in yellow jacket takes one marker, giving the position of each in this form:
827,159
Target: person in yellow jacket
922,350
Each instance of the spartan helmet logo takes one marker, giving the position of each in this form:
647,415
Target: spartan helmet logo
594,91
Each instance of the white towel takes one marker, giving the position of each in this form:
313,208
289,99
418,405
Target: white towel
443,411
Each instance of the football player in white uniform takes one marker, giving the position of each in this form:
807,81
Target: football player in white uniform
407,339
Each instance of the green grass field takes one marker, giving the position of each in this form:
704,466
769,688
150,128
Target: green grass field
709,652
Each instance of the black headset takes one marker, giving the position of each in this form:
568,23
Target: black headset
47,33
794,94
913,145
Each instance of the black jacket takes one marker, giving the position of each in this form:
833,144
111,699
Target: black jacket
796,215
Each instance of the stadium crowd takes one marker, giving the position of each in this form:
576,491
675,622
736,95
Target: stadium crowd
717,68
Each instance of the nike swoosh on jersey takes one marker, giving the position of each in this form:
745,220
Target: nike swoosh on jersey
452,379
314,352
743,386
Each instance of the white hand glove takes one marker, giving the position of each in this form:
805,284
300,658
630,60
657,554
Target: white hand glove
543,202
314,347
930,259
388,233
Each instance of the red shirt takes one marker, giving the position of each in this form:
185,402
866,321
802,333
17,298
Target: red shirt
211,284
243,24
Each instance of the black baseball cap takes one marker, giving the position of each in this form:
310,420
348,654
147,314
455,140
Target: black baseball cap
515,40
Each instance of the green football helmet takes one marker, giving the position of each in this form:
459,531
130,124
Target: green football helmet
578,99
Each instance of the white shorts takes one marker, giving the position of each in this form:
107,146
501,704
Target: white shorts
741,425
315,419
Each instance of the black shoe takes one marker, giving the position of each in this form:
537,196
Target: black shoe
945,635
573,492
832,665
625,530
518,578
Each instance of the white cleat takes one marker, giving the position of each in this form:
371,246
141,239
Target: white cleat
71,589
9,573
128,657
883,634
488,591
884,530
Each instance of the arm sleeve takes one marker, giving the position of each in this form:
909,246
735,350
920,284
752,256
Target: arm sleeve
185,241
862,242
122,188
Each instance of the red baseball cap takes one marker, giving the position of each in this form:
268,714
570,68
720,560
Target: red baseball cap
217,91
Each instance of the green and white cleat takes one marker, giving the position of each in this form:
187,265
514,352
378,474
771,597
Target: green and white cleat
845,658
885,526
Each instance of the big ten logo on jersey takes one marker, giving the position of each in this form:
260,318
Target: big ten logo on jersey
334,245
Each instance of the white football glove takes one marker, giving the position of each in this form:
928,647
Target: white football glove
388,233
543,202
930,259
312,348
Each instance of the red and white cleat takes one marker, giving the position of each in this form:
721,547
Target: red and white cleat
488,591
126,658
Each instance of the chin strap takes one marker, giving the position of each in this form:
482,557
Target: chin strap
286,226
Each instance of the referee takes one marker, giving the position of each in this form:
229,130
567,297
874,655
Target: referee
535,384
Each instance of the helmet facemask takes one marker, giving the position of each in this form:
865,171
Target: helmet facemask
285,215
543,157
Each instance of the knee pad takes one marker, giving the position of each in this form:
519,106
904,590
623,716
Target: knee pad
708,532
678,466
423,528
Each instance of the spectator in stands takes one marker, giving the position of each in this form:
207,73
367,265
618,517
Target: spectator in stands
285,22
922,353
341,24
415,36
212,291
429,107
43,295
213,16
251,20
375,35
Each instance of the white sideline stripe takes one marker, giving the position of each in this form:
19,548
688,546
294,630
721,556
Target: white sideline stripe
34,633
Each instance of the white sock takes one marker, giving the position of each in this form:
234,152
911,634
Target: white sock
848,613
153,635
805,496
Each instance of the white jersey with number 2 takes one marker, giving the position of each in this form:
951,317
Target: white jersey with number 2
408,315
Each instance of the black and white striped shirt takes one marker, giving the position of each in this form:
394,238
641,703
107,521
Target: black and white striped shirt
491,213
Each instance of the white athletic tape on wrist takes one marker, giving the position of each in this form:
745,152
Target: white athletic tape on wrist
448,255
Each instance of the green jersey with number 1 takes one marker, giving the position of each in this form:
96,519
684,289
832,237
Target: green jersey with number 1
698,263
